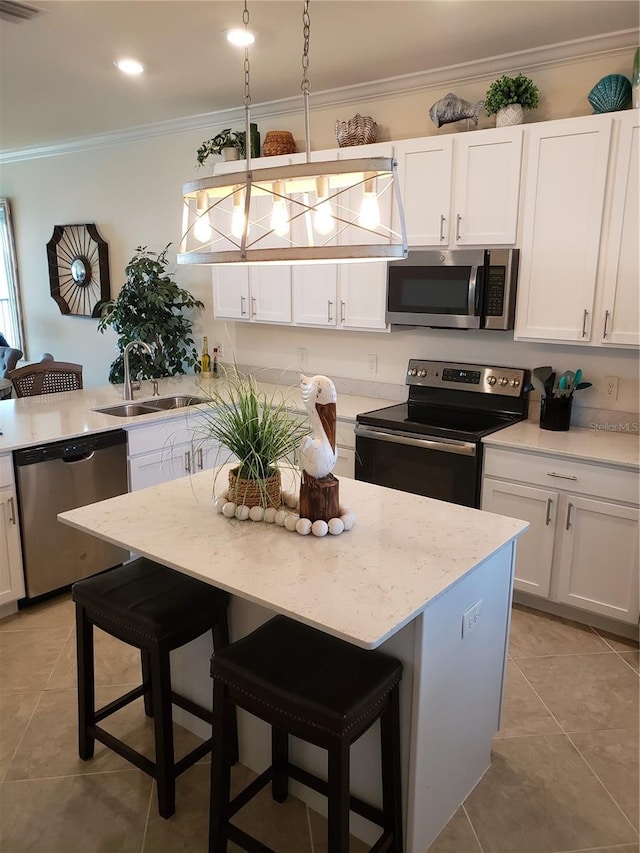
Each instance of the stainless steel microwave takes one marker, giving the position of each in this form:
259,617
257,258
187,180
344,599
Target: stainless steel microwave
457,289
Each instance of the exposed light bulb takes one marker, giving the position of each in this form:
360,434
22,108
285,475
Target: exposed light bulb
237,220
130,66
323,220
240,37
369,211
202,230
279,213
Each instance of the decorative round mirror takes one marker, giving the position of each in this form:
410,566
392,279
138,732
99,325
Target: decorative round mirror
81,271
78,269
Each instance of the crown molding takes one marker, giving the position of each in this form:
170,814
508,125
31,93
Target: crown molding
466,72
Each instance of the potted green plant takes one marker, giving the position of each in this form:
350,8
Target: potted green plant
507,97
150,307
260,431
228,143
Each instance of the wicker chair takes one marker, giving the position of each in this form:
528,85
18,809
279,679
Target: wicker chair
46,377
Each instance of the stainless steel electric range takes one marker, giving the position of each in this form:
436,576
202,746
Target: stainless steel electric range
431,445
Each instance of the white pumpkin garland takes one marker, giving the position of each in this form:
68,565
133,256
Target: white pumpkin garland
286,516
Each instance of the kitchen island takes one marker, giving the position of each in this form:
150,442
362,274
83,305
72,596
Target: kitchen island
430,582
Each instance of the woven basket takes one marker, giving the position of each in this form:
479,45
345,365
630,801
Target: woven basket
278,142
359,130
255,492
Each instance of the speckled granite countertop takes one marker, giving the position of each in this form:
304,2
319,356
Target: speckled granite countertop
591,445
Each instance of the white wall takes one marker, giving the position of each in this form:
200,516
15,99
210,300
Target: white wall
133,192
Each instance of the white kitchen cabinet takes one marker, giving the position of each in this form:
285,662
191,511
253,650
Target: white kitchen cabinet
618,318
11,574
461,190
582,547
565,178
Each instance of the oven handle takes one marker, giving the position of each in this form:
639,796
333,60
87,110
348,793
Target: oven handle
462,448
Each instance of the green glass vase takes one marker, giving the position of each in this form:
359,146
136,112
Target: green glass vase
635,80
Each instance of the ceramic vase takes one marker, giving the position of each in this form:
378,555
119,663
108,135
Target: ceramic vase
635,80
230,154
509,115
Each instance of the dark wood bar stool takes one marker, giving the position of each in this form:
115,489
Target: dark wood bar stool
156,610
320,689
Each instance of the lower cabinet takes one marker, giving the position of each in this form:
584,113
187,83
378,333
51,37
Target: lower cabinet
11,575
582,546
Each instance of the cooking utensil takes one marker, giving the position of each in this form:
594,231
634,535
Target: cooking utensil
550,384
582,385
540,378
578,377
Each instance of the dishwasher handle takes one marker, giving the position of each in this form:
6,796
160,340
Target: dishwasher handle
73,459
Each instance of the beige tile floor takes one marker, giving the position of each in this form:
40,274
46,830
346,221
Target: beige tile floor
564,773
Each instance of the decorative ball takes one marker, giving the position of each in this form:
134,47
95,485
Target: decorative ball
229,509
336,526
319,528
303,526
224,494
291,520
242,512
256,513
348,519
281,516
270,515
219,503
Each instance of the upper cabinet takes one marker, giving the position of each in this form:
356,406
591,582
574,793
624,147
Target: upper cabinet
616,322
461,190
579,247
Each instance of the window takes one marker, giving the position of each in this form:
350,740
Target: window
10,308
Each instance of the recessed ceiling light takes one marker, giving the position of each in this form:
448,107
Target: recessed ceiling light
240,37
130,66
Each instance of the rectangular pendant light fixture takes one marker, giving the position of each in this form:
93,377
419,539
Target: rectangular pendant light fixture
304,212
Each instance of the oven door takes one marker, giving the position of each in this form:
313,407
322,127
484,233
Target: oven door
434,467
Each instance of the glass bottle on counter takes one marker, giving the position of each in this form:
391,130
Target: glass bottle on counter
205,359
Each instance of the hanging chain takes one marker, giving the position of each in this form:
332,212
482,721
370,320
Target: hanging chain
247,68
306,28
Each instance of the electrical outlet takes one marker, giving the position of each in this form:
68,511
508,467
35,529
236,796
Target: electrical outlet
372,363
219,348
302,358
471,618
611,387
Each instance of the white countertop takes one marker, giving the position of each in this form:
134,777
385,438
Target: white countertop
592,445
363,585
30,421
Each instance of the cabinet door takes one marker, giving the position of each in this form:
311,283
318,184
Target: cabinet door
231,293
619,323
424,175
160,466
598,565
11,576
363,293
534,553
565,182
487,186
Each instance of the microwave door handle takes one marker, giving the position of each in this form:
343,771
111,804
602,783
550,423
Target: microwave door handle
474,293
461,448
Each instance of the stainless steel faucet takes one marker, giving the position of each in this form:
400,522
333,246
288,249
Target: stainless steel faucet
128,389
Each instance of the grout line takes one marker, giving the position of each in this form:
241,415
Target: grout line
473,829
607,651
547,708
607,791
21,738
625,661
74,776
313,849
146,823
58,659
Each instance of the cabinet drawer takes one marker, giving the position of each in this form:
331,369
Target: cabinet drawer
157,436
554,472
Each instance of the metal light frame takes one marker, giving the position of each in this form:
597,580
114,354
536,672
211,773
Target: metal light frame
207,201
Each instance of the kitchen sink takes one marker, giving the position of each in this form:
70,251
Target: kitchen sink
179,401
149,407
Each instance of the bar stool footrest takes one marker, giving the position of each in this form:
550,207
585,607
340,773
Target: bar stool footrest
366,810
106,710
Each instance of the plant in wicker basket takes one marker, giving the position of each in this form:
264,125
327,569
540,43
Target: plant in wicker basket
258,430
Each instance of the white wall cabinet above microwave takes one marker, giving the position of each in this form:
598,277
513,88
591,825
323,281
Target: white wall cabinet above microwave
579,249
461,190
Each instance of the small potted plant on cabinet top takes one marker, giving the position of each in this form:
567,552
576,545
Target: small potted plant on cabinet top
228,143
508,97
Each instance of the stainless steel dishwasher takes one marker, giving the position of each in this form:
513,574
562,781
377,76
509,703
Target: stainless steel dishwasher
53,478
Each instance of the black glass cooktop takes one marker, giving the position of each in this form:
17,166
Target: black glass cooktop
461,424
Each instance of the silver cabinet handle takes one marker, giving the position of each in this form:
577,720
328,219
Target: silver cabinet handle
187,461
458,218
547,520
584,322
568,522
253,306
342,311
561,476
200,459
329,307
606,323
12,506
242,308
443,219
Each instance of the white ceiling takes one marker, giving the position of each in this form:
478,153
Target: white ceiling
58,81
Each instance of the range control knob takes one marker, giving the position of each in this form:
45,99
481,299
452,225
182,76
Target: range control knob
491,380
413,372
422,373
514,383
503,380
